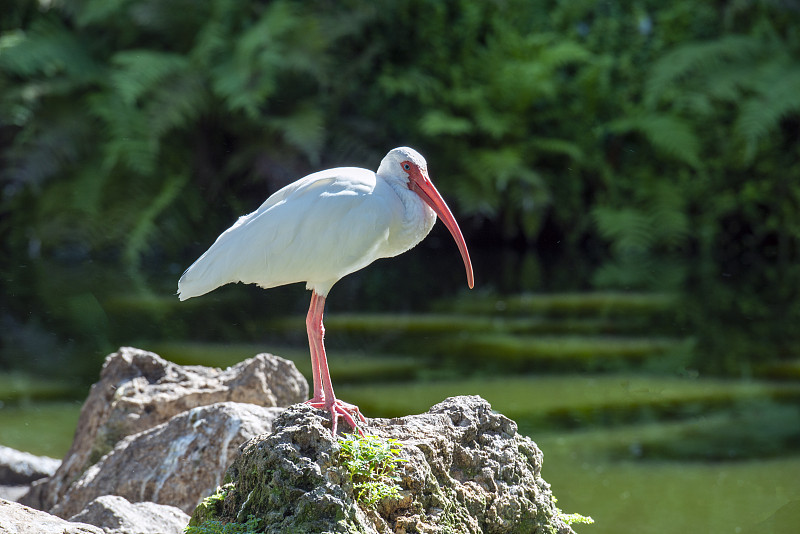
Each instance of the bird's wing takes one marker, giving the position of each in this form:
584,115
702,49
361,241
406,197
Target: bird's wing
315,230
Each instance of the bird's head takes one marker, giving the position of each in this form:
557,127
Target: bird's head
409,164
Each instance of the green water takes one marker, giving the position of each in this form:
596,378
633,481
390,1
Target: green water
42,428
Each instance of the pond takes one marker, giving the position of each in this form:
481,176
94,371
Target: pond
606,382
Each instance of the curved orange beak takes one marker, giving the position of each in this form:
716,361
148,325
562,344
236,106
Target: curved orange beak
421,184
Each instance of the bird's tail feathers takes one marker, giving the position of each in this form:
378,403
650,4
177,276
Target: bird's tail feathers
202,277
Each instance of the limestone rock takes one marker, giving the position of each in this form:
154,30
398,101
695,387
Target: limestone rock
138,390
467,470
18,468
13,493
16,518
176,463
116,515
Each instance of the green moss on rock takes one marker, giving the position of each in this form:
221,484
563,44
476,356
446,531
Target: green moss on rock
465,470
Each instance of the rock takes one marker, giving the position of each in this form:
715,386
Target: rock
176,463
18,468
16,518
105,515
13,493
116,515
467,470
138,390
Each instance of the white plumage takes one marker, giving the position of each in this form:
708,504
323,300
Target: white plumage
321,228
315,230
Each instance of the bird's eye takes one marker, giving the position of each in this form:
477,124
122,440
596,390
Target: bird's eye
406,166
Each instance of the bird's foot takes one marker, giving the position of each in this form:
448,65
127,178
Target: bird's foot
339,409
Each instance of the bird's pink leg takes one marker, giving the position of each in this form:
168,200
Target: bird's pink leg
324,397
319,396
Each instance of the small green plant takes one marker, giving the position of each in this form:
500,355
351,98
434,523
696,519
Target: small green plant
572,519
210,508
251,526
371,463
217,497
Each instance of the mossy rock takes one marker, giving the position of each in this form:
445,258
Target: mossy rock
465,469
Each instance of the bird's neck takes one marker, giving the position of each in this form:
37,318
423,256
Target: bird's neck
416,221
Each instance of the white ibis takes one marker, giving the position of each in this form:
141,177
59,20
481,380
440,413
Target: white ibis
319,229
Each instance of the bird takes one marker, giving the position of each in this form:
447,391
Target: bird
319,229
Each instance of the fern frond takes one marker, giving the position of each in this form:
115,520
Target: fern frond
504,166
477,198
504,173
761,114
280,41
641,272
47,49
146,221
137,71
557,146
644,239
665,205
439,122
87,187
409,83
39,155
179,101
698,57
726,82
304,129
494,123
564,52
668,134
212,40
521,82
525,67
129,139
629,229
234,85
100,11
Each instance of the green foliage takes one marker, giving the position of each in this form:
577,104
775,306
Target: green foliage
777,97
685,63
251,526
210,508
756,74
543,111
218,496
480,114
120,105
371,463
573,519
670,135
647,240
635,136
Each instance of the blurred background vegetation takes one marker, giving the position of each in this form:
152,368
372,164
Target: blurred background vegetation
643,145
636,164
